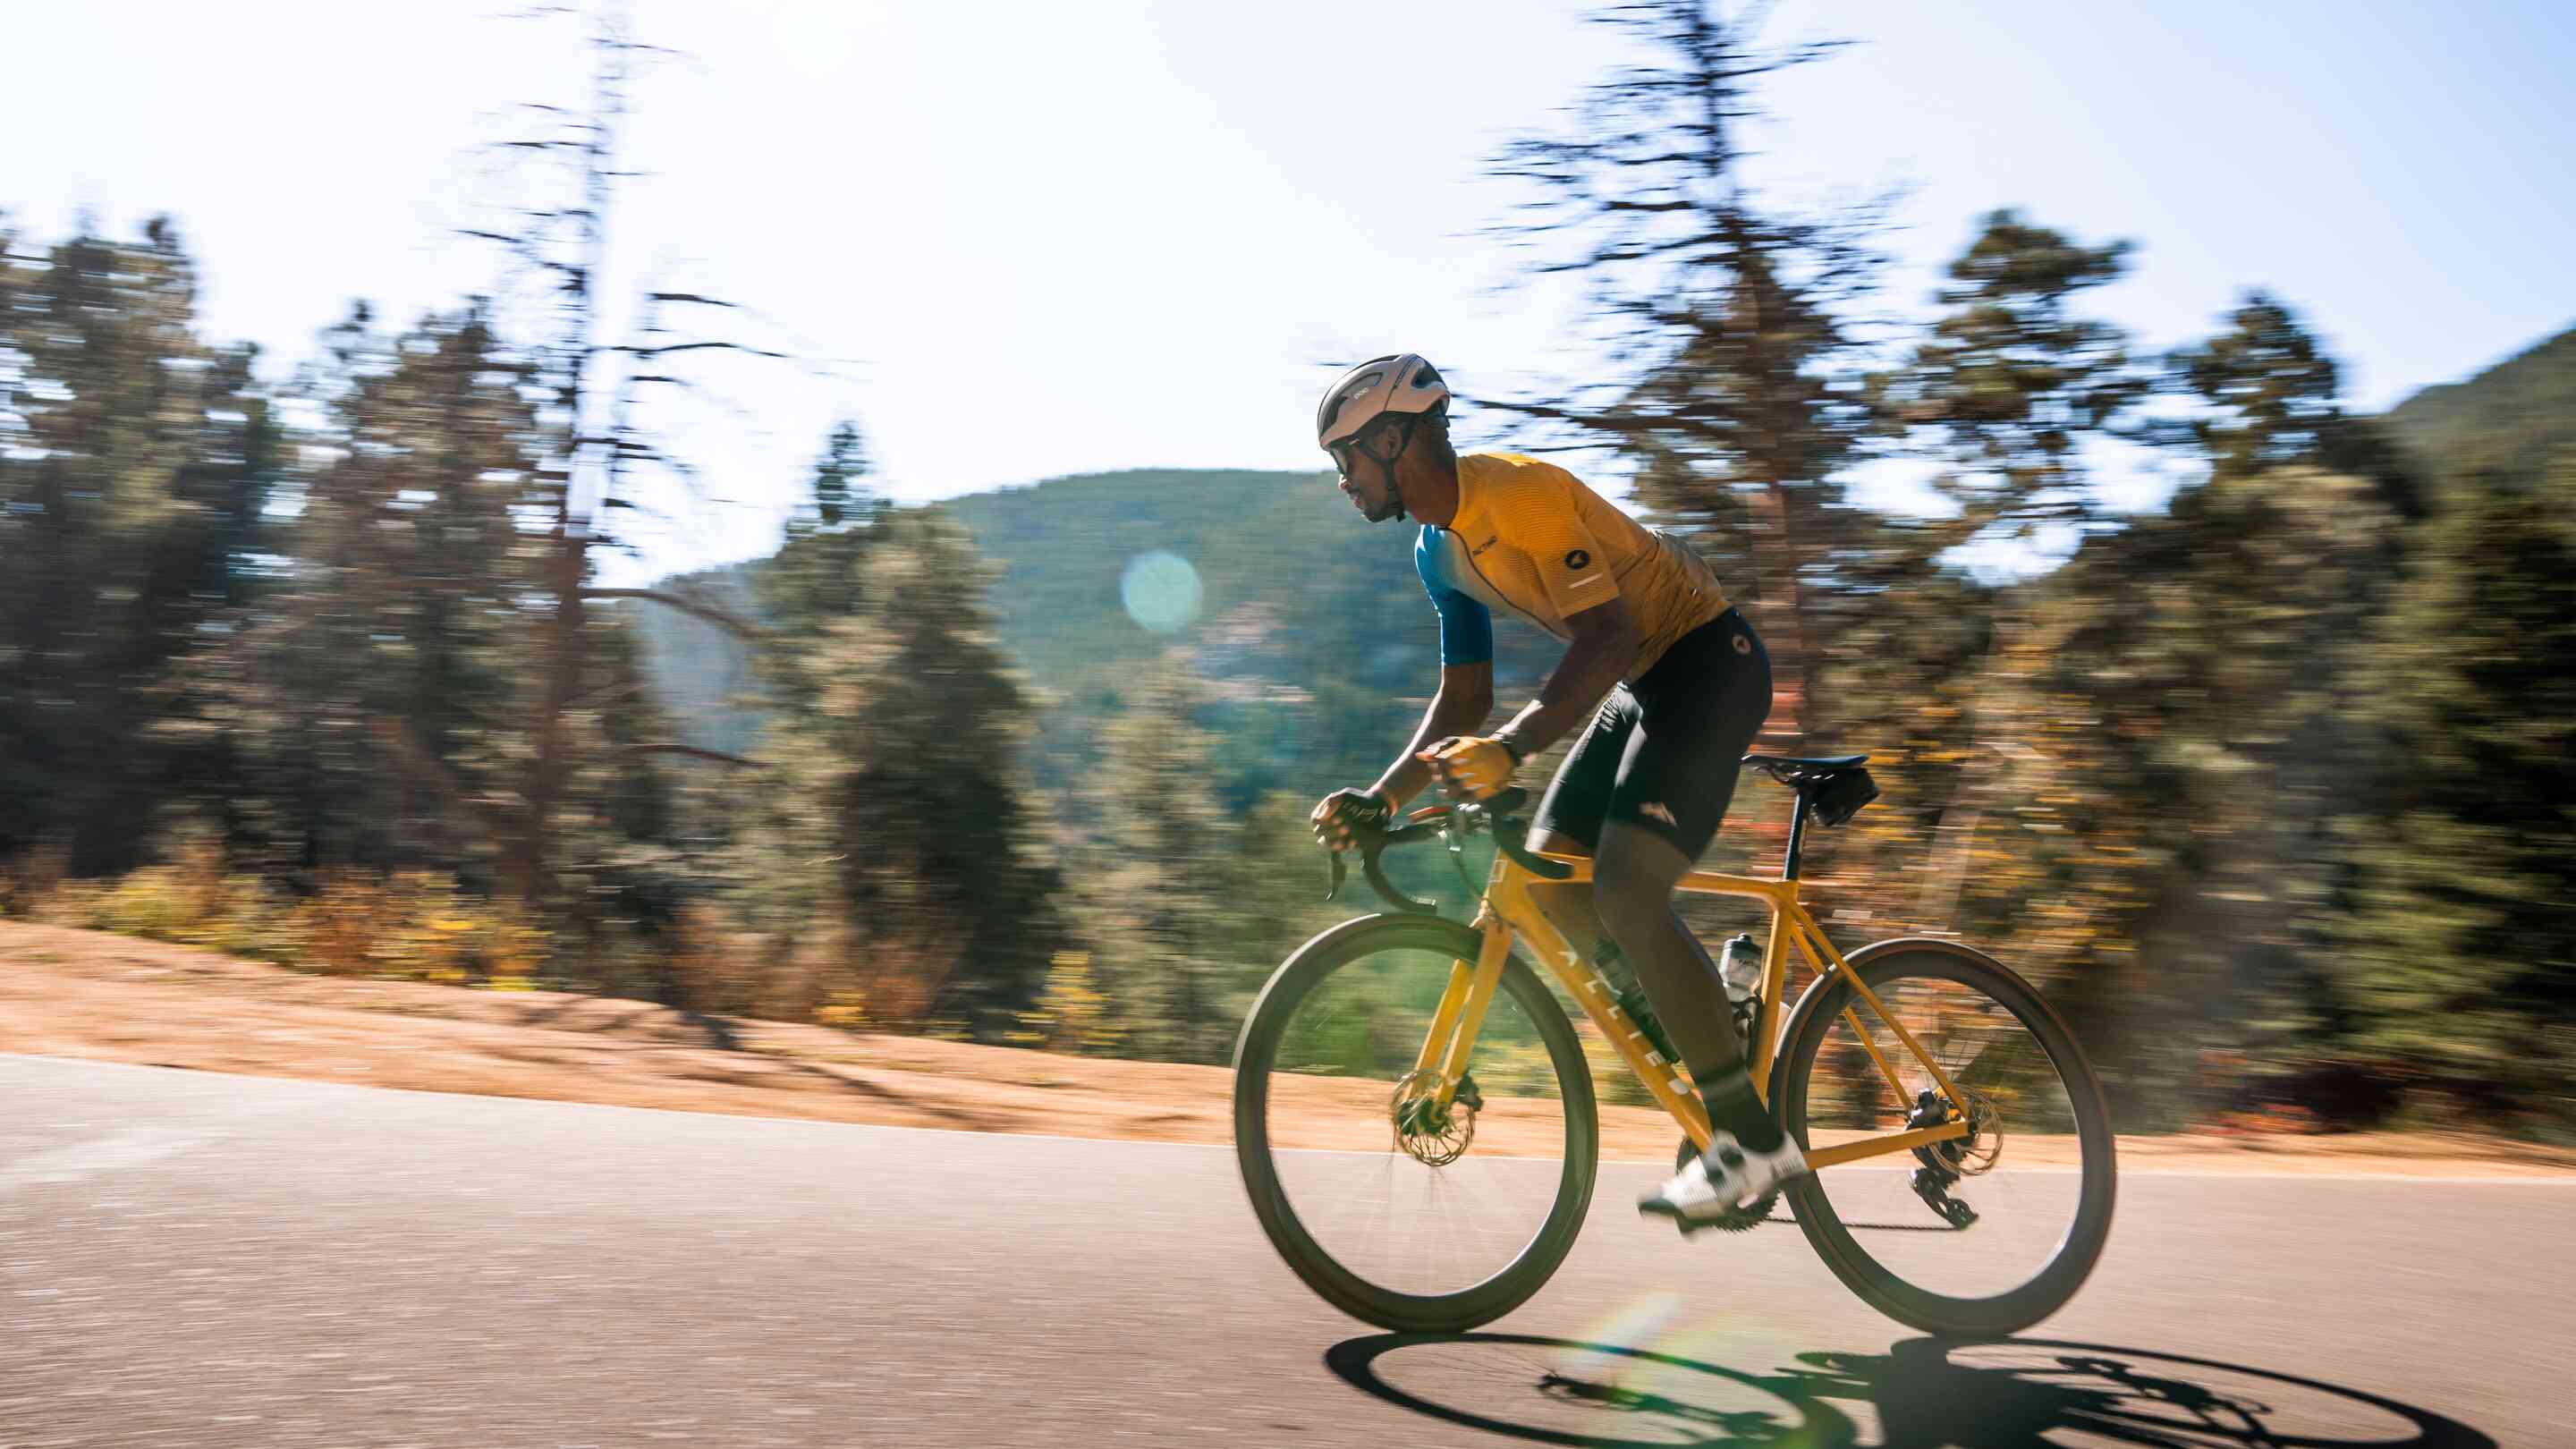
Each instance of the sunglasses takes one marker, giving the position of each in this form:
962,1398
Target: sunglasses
1343,451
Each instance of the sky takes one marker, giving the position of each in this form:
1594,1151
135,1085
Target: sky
1021,240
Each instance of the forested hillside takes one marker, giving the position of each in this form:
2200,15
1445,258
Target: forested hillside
1308,624
2231,789
2522,401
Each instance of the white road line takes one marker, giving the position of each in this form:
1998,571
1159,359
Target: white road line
130,1148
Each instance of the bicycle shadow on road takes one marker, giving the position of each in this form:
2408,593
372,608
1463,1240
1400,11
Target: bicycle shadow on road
1921,1394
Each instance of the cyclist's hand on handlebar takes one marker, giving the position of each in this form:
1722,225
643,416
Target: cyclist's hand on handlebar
1471,767
1338,815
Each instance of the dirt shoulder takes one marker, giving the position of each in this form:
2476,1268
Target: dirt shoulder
112,998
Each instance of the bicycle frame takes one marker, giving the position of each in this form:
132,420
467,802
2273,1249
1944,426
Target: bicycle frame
1510,911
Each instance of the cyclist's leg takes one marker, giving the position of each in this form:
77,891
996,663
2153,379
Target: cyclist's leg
1699,709
1568,820
1634,878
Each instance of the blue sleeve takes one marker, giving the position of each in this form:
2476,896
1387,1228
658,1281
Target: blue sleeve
1466,627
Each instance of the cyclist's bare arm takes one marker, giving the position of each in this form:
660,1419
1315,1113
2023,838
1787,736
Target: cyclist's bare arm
1464,703
1602,651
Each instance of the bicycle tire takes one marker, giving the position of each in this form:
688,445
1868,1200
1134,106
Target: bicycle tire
2076,1254
1256,1053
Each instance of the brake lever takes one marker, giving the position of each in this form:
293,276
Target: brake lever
1386,888
1369,846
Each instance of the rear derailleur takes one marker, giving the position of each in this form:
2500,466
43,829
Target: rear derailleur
1940,1170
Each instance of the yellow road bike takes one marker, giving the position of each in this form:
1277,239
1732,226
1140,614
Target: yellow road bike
1416,1123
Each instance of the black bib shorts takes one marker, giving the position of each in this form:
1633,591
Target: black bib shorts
1663,753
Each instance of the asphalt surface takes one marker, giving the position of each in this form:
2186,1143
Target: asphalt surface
189,1259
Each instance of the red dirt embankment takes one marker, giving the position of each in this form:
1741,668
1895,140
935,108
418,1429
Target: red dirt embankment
113,998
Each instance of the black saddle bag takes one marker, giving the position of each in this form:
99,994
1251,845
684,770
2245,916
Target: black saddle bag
1839,796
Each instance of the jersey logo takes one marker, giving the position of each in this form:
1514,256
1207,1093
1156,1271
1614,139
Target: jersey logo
1578,559
1657,810
1480,548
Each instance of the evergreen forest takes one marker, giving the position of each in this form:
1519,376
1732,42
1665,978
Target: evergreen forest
2271,783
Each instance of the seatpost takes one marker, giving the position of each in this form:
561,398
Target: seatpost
1797,837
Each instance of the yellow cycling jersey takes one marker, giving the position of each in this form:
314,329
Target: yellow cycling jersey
1531,540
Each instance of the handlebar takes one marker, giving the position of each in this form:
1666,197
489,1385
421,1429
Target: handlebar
1494,816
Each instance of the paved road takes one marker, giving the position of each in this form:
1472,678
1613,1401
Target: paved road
188,1259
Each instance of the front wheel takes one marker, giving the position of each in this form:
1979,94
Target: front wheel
1986,1234
1395,1207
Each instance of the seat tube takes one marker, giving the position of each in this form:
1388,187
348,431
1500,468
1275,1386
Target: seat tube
1766,1021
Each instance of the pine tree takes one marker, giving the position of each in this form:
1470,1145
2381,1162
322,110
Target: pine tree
1731,323
2009,384
1189,901
137,466
365,711
2013,379
840,488
2453,960
2179,714
897,799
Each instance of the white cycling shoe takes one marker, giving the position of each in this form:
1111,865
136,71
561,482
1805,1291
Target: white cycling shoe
1727,1176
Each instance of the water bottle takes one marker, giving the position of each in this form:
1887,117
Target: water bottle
1741,969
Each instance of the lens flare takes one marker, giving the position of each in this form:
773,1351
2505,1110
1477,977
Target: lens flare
1160,591
1632,1327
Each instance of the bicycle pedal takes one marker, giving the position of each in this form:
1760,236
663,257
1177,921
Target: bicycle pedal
1736,1220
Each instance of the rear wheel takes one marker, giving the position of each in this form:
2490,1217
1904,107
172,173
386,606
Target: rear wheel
1986,1234
1395,1208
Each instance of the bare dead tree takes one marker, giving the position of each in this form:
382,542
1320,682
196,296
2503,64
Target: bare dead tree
1736,362
599,390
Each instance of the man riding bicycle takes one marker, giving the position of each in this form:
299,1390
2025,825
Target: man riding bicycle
1682,686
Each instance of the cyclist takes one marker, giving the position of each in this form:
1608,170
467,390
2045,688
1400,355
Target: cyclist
1687,686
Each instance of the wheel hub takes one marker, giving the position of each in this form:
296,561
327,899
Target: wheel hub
1430,1131
1978,1151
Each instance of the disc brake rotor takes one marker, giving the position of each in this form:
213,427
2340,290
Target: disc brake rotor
1432,1132
1984,1145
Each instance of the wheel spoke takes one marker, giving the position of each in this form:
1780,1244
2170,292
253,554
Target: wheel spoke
1464,1207
2033,1217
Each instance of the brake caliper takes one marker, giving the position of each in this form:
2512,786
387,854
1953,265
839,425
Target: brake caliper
1434,1132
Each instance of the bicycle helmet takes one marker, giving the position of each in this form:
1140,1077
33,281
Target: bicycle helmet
1401,383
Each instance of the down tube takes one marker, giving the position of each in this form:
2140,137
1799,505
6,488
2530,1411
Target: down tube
1590,992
